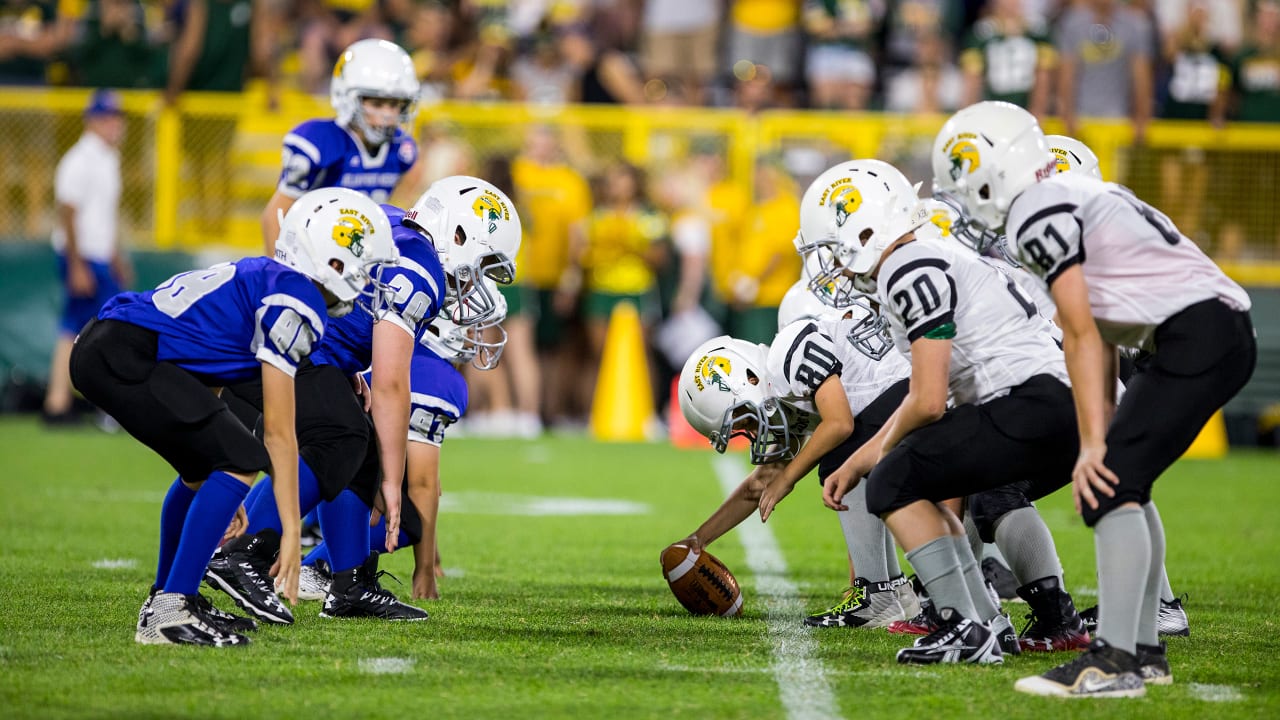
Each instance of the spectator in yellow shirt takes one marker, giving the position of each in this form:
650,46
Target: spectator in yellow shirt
767,263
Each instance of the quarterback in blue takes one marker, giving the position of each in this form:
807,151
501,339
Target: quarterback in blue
374,93
439,399
156,361
352,439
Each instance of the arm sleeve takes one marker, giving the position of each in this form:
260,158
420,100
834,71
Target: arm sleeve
809,359
417,292
287,336
302,162
922,297
1050,240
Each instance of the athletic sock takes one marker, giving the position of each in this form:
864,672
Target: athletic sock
344,521
1166,590
974,581
864,537
1031,553
891,562
938,568
318,553
1123,546
971,536
207,519
264,513
378,537
1147,628
172,516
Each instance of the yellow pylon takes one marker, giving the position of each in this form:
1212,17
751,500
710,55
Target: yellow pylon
623,402
1211,443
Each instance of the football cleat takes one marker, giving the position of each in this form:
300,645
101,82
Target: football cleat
862,607
1153,664
173,619
924,623
906,595
313,583
225,621
1101,671
1172,619
1053,623
1002,627
356,593
1000,577
241,569
957,640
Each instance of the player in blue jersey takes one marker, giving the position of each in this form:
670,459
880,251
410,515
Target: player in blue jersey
155,360
439,400
346,431
366,147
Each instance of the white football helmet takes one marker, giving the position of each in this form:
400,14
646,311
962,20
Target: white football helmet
1069,154
868,334
475,230
338,237
724,392
984,156
373,69
466,343
801,303
849,216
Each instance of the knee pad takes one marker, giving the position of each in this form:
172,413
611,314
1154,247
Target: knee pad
1139,495
990,505
336,455
891,484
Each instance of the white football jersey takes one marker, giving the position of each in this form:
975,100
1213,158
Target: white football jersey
807,352
1140,269
939,289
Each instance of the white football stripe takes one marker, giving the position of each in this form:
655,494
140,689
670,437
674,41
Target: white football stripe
685,566
797,669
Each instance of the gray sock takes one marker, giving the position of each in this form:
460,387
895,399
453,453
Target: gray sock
991,550
1028,546
971,535
1123,547
864,536
938,568
891,555
974,581
1147,630
1166,590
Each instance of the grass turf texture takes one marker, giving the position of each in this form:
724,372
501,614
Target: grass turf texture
568,616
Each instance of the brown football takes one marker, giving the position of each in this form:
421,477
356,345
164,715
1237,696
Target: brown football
702,584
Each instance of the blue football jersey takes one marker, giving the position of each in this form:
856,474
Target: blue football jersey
222,322
418,282
322,153
438,394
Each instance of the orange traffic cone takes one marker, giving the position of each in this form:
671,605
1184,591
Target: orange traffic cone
623,404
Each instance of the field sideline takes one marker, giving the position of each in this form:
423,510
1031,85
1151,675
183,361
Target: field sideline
555,605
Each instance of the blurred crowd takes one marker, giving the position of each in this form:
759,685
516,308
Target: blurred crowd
695,252
1204,59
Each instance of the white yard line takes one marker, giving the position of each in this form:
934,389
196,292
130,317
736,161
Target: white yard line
800,674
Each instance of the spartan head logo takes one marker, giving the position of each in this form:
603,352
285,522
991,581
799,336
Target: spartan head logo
964,159
1060,159
714,369
349,233
846,202
490,208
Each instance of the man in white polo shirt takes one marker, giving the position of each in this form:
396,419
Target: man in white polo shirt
87,195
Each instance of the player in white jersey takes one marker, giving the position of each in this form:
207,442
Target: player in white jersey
829,381
1121,275
1071,155
973,338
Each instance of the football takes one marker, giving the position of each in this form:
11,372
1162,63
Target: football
702,584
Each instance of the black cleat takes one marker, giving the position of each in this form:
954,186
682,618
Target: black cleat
224,621
1001,578
241,569
1100,672
1153,664
1053,623
173,619
957,640
356,593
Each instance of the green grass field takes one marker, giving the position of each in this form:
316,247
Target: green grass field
549,614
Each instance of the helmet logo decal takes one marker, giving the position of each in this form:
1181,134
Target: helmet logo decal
490,208
350,230
712,370
942,220
1060,159
846,202
963,154
342,63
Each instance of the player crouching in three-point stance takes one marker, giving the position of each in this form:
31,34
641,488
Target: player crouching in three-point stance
972,336
1121,275
155,360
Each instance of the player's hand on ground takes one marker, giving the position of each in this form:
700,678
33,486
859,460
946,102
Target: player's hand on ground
424,586
288,566
238,525
1091,478
361,388
772,495
80,280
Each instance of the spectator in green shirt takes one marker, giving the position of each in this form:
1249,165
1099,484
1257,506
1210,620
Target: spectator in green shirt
1008,57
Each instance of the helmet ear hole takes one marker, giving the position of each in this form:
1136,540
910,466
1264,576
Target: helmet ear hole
865,235
459,236
984,192
337,265
752,377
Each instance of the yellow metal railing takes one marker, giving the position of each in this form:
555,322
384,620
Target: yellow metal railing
198,174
